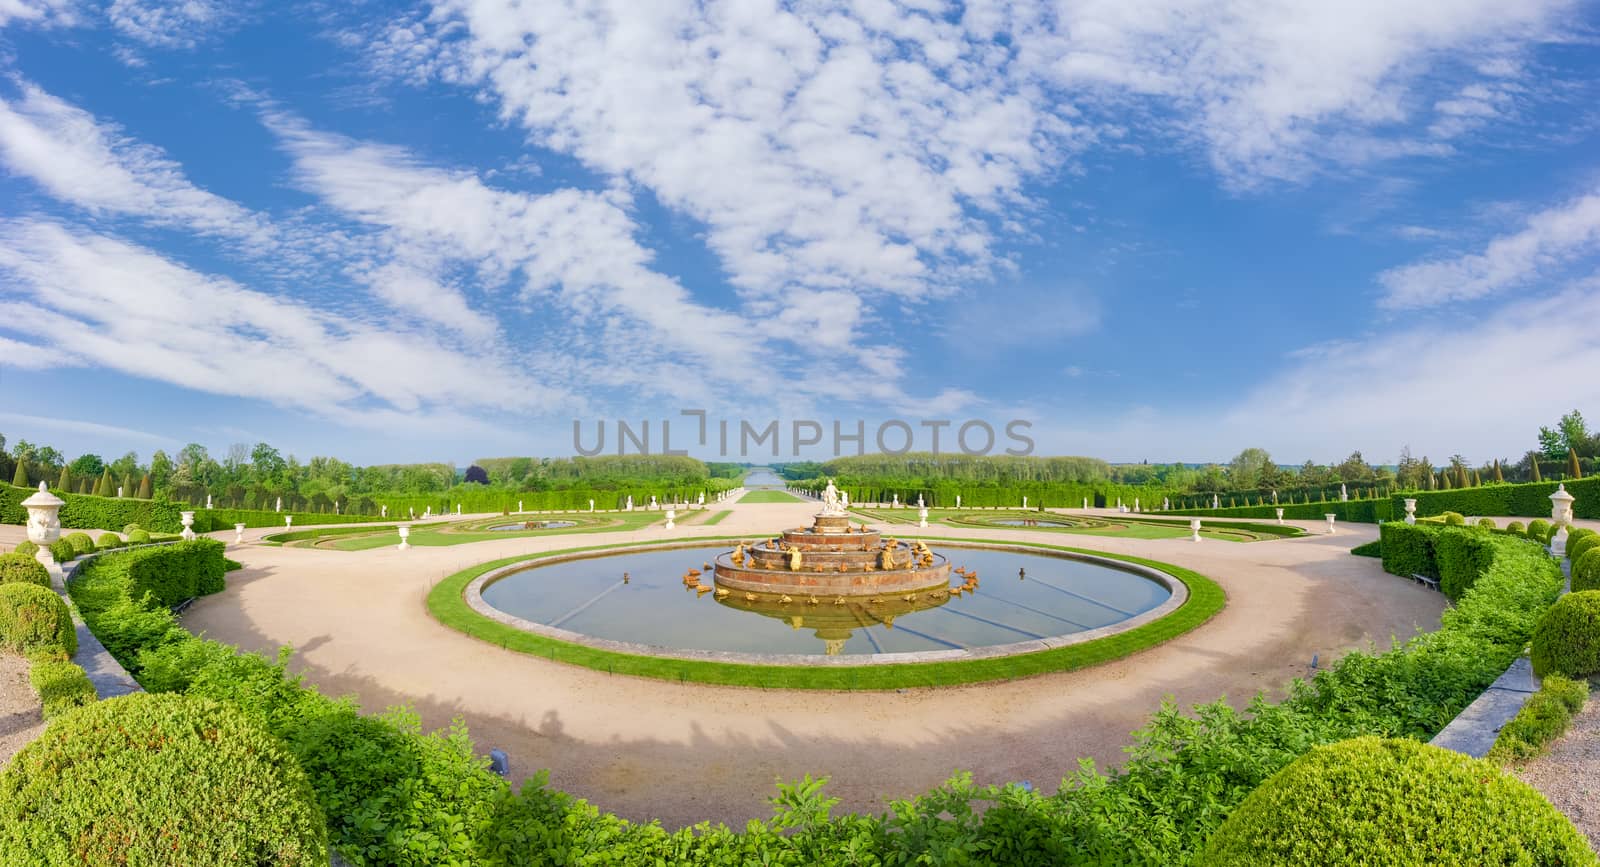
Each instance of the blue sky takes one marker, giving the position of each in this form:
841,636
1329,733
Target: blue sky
1162,230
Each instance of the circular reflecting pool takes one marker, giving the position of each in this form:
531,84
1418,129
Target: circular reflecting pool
535,525
1028,522
640,597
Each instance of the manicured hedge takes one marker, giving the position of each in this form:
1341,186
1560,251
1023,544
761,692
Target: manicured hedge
1530,500
1567,640
1586,570
35,618
212,520
1543,718
24,568
172,573
61,685
1462,555
80,542
1539,530
1408,549
1353,511
1396,803
158,780
395,796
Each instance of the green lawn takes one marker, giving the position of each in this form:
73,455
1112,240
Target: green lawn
769,497
1206,598
716,519
1124,526
440,535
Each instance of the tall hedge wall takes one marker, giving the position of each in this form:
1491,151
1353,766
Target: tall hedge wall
1353,511
87,512
169,573
1456,556
1050,495
1531,500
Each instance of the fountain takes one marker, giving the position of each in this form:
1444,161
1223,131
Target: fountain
831,559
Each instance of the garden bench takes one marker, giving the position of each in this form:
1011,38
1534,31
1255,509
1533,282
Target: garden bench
183,606
1433,583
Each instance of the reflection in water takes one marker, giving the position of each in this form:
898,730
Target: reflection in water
535,525
641,598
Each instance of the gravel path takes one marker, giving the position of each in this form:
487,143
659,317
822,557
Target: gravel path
20,717
1569,774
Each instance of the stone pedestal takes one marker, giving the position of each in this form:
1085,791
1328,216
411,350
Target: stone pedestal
405,534
238,534
1280,515
922,518
1411,511
1194,529
1561,516
672,515
187,519
288,521
44,527
1330,518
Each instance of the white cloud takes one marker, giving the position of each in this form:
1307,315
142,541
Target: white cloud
1550,239
169,23
43,12
125,308
104,431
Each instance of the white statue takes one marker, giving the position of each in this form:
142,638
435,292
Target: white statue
896,499
844,499
958,501
119,492
702,498
279,507
384,512
591,505
1344,495
208,498
630,502
830,500
920,504
653,505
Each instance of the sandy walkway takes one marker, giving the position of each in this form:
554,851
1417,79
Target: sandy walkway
1569,774
20,718
683,753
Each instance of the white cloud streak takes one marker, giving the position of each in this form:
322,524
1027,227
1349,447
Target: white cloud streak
1549,240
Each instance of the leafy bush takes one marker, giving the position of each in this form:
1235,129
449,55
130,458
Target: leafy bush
1454,519
1516,529
159,780
1407,549
129,528
1370,549
231,565
108,540
61,685
80,542
22,567
35,618
1395,802
1462,555
61,551
1542,719
1585,544
1567,639
1486,524
1539,530
26,546
1576,535
1586,570
137,536
172,573
1526,500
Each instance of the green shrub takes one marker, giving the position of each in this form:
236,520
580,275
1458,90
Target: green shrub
1541,720
129,528
138,537
1394,802
1585,544
61,551
61,685
1462,556
159,780
1516,529
1408,549
35,618
231,565
21,567
26,546
1486,524
1576,534
1586,571
1370,549
1539,530
1567,639
108,540
80,542
1454,519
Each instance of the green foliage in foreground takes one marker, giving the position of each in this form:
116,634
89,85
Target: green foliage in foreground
34,618
1397,803
1567,640
60,684
447,605
1586,569
22,567
394,796
1543,718
1370,549
158,780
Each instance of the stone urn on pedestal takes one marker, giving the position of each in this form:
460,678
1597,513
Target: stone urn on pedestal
405,535
922,517
1561,516
1330,516
1280,515
1194,529
288,521
672,515
187,520
1411,511
44,526
238,534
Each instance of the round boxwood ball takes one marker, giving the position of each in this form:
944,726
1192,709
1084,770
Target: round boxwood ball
80,542
1566,640
26,546
1583,545
1586,571
1517,528
1486,523
159,779
1539,529
1454,519
108,540
1394,802
34,618
137,536
22,567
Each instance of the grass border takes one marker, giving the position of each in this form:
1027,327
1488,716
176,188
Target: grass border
447,604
